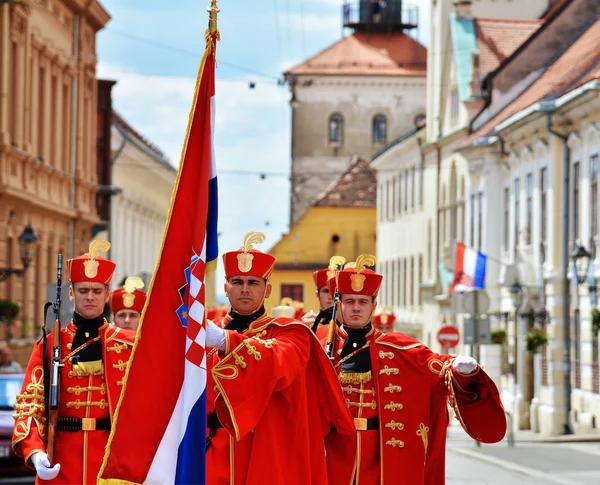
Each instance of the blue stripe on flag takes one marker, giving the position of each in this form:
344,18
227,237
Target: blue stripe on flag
479,277
190,462
212,249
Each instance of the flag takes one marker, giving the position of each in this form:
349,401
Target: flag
158,433
469,268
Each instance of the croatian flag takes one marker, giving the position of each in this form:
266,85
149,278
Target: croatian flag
469,269
159,428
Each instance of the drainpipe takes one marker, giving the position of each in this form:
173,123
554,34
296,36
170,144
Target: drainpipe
564,251
73,148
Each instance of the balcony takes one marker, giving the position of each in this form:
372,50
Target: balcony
384,16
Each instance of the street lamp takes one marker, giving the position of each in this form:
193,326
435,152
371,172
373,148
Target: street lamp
516,294
27,242
294,103
581,260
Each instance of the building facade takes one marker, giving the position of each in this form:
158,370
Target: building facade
47,141
143,181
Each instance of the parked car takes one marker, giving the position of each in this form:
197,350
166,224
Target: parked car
11,465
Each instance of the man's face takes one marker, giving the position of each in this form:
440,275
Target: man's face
385,328
324,297
128,319
357,310
246,293
89,298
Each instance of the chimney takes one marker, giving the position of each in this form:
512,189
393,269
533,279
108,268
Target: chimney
463,9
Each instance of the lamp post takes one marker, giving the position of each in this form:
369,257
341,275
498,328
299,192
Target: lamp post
27,242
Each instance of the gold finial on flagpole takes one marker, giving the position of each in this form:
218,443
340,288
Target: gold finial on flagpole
213,12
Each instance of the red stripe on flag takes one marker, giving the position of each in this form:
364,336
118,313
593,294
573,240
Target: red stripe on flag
458,265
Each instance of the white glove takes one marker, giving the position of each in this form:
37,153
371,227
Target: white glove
42,466
215,336
464,365
308,319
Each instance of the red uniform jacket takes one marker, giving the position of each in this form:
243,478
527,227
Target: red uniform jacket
276,394
79,453
408,392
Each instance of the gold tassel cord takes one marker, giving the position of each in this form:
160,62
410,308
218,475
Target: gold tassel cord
355,377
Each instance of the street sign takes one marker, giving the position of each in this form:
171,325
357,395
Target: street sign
485,337
448,336
476,302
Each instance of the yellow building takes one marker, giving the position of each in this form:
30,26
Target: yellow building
342,220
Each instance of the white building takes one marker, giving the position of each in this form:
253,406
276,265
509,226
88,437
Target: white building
463,48
144,180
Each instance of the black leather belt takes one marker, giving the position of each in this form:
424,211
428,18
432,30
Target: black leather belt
66,423
366,424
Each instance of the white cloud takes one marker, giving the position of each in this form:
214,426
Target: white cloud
251,134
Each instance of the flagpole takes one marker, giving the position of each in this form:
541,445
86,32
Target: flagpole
213,12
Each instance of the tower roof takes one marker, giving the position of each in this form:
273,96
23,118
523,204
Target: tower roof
368,54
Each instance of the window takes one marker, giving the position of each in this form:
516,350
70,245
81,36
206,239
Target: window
413,187
293,291
544,204
529,215
41,113
576,201
507,218
420,280
394,198
594,194
387,200
405,190
454,105
400,194
472,228
480,221
517,210
336,128
379,130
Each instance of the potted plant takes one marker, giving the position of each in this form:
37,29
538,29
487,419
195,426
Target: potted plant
499,336
535,338
595,322
8,311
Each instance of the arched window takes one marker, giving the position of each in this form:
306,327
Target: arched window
336,128
379,129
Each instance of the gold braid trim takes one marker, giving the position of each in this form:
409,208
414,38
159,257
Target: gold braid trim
355,377
423,433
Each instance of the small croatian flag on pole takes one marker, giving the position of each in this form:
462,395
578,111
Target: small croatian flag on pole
469,269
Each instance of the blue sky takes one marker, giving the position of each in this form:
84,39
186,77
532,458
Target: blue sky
153,48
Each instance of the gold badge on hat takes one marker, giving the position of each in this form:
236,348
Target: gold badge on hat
384,317
91,265
357,280
335,263
245,258
132,283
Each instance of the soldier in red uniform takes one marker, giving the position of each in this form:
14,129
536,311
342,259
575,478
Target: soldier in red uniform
319,323
384,321
397,392
95,356
272,394
127,303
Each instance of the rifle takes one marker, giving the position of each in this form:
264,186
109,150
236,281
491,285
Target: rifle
330,344
56,367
